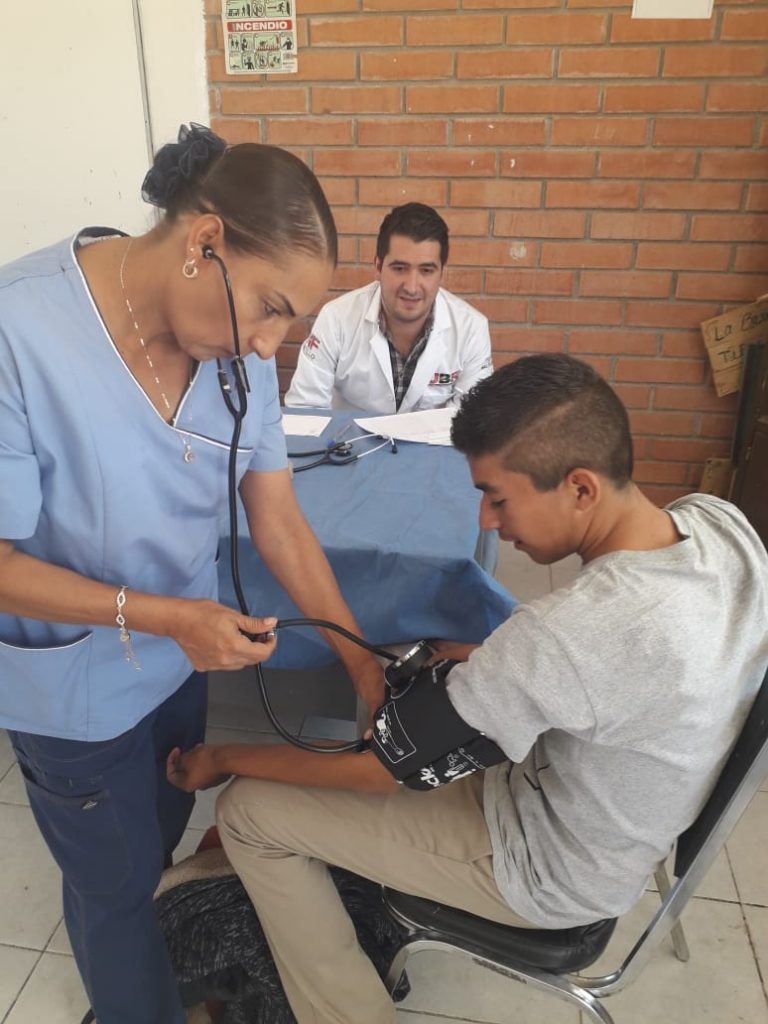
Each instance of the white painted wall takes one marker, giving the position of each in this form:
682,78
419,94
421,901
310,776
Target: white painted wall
74,141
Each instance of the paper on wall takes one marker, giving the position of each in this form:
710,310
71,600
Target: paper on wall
432,426
259,36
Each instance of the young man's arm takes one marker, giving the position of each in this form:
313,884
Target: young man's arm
210,764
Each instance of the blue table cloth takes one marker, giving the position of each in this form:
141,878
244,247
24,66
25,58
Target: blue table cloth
400,532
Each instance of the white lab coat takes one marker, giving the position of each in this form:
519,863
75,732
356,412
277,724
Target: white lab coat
345,361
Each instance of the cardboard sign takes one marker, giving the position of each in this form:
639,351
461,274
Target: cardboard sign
724,337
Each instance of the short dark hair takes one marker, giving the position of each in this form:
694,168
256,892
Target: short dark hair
544,416
269,201
416,221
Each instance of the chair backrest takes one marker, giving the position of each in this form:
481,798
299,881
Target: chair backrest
734,788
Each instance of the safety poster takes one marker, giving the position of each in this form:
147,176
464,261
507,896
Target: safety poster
259,36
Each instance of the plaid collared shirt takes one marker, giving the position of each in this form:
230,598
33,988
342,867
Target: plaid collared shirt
403,367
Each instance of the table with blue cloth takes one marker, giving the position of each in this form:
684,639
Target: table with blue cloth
400,531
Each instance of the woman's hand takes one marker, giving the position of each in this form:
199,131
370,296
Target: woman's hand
451,650
193,770
211,636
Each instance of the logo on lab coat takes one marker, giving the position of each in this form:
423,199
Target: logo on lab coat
312,343
439,379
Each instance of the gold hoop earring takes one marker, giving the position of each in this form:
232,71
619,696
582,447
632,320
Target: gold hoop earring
189,269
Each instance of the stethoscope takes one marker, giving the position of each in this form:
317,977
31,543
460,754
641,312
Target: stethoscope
237,406
340,453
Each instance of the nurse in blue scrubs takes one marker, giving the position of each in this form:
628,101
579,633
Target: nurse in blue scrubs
113,476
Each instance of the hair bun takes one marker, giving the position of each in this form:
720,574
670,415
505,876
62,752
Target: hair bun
178,163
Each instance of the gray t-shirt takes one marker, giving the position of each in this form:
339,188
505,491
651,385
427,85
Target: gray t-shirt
618,697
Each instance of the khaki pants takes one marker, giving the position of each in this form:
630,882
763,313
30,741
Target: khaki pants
280,838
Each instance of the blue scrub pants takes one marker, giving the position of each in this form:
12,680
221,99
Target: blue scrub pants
111,820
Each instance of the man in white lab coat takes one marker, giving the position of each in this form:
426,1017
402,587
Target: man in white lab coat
401,343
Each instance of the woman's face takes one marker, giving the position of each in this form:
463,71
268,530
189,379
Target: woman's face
268,298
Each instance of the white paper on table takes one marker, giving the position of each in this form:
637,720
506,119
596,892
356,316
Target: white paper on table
304,426
431,426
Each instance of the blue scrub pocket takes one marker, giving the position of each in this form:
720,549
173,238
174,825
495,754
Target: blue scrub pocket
83,832
45,689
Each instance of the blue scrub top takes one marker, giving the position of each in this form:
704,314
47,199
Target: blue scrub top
93,479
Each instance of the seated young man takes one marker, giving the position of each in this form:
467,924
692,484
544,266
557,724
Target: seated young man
401,343
616,699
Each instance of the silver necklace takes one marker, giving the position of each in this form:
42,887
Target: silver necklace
189,455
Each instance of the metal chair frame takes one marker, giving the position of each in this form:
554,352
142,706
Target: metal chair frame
744,771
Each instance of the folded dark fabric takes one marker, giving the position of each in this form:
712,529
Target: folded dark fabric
218,950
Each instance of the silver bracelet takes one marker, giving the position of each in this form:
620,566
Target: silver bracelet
125,636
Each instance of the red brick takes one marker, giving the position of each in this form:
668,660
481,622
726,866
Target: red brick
554,29
499,131
339,191
324,66
377,163
638,225
680,424
682,256
542,224
376,99
467,222
462,162
742,165
265,99
526,339
692,196
395,193
715,60
739,96
659,472
757,197
451,99
702,398
714,227
665,163
463,281
750,258
746,25
626,29
717,426
328,6
410,5
599,131
455,30
402,132
551,99
485,253
528,282
586,254
688,451
405,65
502,310
727,287
595,194
236,130
510,63
661,495
634,396
668,314
348,249
661,371
619,341
651,284
345,279
507,5
626,62
547,164
653,98
576,311
494,193
214,37
359,220
682,343
703,131
293,131
364,30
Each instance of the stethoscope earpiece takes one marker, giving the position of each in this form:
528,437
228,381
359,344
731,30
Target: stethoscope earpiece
208,253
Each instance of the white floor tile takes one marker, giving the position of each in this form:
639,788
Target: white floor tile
444,983
12,789
757,923
53,994
7,757
15,967
30,882
60,941
718,883
719,985
747,852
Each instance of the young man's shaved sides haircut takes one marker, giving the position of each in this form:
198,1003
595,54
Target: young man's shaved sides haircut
544,416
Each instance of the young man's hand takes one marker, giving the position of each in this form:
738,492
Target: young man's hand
195,769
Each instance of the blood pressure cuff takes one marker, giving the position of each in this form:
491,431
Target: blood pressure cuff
422,740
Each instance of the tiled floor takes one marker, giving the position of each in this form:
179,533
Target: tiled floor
726,924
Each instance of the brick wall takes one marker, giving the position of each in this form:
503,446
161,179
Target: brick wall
605,179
